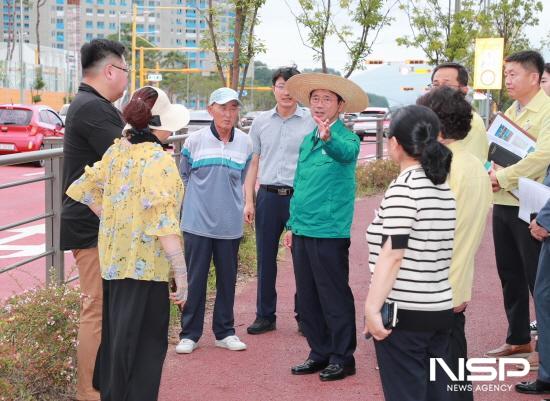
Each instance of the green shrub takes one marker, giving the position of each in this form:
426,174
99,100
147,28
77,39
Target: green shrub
38,336
374,177
247,251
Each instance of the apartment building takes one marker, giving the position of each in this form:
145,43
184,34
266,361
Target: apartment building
66,24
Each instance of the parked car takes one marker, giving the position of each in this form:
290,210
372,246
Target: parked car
246,120
63,112
23,127
198,119
364,123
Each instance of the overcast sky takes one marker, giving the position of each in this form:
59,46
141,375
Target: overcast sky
279,32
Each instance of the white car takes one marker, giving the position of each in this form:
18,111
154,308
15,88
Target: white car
365,122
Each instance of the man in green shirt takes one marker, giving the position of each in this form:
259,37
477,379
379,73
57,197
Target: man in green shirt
321,213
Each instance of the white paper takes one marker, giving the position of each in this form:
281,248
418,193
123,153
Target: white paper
509,137
532,197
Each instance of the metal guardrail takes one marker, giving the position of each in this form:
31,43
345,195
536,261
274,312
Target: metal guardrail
53,157
380,140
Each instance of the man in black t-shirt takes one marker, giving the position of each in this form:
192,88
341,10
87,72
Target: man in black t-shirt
92,124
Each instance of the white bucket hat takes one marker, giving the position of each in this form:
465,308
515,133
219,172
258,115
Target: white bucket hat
165,115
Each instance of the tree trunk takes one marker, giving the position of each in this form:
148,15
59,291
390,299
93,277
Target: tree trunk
250,49
325,29
39,5
211,30
241,11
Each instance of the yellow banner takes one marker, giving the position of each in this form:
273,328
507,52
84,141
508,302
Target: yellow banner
488,63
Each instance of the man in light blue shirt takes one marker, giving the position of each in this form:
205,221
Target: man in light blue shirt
276,137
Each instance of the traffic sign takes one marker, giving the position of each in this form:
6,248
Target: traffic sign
154,77
488,63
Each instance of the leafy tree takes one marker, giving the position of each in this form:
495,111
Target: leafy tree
37,86
328,71
39,4
243,44
318,19
441,34
262,74
508,19
150,58
172,81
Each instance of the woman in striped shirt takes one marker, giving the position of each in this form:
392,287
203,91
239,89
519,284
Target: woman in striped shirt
410,244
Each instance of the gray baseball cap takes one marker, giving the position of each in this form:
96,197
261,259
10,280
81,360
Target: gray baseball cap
223,96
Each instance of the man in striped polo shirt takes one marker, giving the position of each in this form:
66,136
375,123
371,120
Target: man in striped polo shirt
213,167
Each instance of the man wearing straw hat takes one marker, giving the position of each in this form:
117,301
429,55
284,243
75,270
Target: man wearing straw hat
321,213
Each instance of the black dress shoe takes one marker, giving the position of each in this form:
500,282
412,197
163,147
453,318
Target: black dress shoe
260,326
534,387
308,367
336,371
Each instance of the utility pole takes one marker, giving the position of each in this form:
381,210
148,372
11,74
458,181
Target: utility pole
133,80
21,65
457,6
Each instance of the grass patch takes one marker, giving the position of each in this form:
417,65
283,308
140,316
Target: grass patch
375,177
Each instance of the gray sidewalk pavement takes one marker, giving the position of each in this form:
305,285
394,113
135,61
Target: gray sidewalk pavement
262,372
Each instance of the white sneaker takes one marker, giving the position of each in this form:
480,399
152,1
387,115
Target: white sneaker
232,343
186,346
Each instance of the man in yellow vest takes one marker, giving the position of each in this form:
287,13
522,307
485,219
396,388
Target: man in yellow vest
517,253
455,76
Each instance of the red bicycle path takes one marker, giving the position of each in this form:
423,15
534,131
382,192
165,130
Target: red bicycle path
262,372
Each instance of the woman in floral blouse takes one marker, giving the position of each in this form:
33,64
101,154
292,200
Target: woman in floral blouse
137,192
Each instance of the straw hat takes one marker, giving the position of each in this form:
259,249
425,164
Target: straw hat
300,87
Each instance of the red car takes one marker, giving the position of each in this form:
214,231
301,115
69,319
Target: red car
23,127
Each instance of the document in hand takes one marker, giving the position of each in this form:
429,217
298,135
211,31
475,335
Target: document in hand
532,197
507,138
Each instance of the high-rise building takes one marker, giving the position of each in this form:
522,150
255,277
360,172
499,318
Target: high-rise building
66,24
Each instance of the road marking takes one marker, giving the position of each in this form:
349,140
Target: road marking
31,174
22,250
24,232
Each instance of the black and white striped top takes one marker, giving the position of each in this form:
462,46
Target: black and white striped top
420,218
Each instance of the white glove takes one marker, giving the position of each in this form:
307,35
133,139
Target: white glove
179,268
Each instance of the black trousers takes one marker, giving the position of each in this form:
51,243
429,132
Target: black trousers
199,252
325,300
272,212
458,348
404,362
517,255
134,340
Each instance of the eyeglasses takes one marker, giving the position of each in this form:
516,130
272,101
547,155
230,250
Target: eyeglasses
127,70
323,100
280,86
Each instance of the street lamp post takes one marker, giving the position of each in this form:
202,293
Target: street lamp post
21,66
